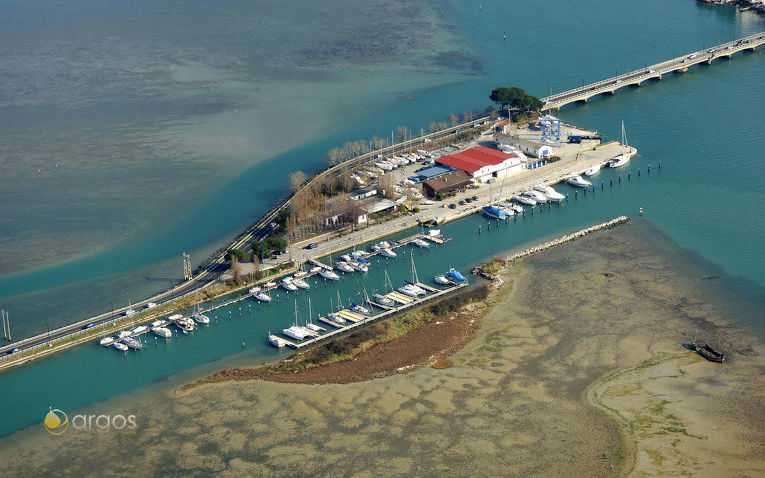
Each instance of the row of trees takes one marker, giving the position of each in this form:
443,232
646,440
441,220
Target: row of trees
516,98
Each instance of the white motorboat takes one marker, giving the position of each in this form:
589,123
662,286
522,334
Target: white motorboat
287,284
434,232
120,346
328,274
297,333
411,290
592,170
550,193
174,317
314,328
262,297
270,285
525,200
386,301
140,330
150,305
299,274
315,270
441,280
300,283
388,252
346,257
106,341
359,266
162,332
335,318
254,290
507,210
159,323
201,318
535,195
122,334
515,207
186,325
343,267
276,341
132,343
578,181
420,243
360,309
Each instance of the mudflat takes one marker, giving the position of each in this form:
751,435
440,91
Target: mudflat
577,370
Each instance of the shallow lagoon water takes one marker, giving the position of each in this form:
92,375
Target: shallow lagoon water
705,197
510,405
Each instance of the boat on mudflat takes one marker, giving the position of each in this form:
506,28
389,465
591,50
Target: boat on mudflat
709,353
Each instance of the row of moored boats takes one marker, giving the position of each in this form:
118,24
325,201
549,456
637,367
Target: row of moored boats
130,339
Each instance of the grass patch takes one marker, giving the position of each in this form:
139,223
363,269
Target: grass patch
347,347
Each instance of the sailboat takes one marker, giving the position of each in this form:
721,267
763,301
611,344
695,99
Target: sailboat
409,288
295,331
623,158
309,324
333,316
383,299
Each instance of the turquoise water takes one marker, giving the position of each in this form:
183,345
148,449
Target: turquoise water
706,128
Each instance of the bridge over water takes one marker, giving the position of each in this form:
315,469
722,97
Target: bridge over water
653,72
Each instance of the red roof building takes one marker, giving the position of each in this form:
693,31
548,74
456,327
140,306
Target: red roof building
483,163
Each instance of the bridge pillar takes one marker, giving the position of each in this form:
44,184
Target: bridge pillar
583,100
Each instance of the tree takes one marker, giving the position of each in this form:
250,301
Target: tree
454,120
276,243
515,97
433,127
468,116
237,254
378,142
236,269
297,179
282,217
402,133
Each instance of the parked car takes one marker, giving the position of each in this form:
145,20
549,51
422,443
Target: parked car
452,206
14,350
